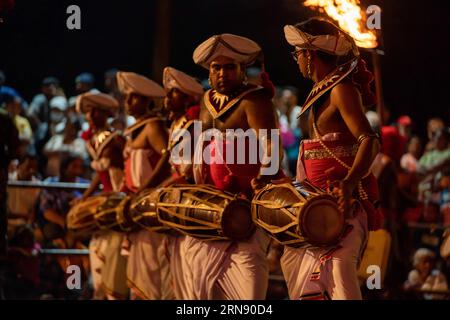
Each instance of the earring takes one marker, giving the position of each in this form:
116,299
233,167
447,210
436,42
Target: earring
209,81
245,82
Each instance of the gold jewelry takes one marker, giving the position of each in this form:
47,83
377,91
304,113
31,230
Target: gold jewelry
365,136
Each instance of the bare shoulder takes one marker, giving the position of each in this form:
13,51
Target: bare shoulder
345,95
155,127
257,95
343,89
258,99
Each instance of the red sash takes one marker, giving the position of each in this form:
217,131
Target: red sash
316,164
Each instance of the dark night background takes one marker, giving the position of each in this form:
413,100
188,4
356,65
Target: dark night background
34,42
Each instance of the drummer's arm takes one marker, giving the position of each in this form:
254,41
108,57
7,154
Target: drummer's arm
92,187
53,216
157,137
261,115
348,101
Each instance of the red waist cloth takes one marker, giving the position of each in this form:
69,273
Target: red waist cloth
317,165
232,176
105,180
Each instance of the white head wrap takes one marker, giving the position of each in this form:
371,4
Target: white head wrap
173,78
130,82
240,49
339,45
88,100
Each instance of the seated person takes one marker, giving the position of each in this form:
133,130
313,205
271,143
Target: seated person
424,276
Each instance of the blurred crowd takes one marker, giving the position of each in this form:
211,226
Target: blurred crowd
413,173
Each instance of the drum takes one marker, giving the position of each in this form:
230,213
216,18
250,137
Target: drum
299,215
113,213
205,212
143,211
81,217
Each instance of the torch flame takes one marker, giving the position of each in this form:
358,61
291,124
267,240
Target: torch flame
350,18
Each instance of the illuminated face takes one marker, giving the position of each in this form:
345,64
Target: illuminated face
176,100
136,105
302,61
226,75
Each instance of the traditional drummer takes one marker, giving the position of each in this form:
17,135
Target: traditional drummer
183,94
105,146
148,267
226,269
338,156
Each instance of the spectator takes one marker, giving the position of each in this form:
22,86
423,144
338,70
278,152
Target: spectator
433,125
5,90
439,156
13,105
22,202
290,130
39,112
424,276
63,144
23,262
84,82
409,161
404,124
55,203
58,107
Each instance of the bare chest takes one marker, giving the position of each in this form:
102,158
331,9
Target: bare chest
233,119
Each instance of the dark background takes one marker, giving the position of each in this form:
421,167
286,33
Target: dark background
34,42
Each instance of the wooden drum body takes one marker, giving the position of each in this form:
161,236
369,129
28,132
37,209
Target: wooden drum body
205,212
299,215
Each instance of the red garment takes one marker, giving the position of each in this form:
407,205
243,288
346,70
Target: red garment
105,180
230,177
320,171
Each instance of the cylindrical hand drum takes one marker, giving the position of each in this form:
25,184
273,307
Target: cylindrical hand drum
143,211
298,215
113,213
205,212
81,217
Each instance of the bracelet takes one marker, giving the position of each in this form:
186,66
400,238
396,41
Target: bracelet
365,136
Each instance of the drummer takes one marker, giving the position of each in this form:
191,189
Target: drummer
108,267
182,105
340,155
226,269
148,267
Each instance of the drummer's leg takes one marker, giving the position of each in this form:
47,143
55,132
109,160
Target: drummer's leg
340,273
181,273
96,265
245,275
164,248
148,267
114,271
298,267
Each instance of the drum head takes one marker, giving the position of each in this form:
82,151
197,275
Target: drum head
237,223
322,223
81,216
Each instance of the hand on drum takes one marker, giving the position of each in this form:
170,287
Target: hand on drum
261,181
343,190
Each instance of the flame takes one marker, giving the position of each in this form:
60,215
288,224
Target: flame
349,17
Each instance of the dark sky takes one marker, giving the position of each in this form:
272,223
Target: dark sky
34,42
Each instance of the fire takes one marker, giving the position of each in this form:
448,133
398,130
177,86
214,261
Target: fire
349,16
